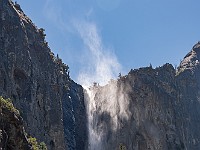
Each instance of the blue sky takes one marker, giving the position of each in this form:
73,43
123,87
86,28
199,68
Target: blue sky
128,33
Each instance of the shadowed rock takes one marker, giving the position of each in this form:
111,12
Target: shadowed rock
38,82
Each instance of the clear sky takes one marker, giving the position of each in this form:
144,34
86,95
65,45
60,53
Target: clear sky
132,33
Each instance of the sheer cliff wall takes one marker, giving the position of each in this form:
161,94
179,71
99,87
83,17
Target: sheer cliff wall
38,83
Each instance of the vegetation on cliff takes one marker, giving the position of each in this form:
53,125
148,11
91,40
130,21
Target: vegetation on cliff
7,103
12,130
36,145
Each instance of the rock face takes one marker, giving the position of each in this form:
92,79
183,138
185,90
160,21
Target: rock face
145,111
155,109
75,119
188,105
38,83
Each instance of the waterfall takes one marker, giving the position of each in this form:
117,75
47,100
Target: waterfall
94,139
107,106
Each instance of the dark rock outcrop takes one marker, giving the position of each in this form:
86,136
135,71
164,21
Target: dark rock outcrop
75,119
37,82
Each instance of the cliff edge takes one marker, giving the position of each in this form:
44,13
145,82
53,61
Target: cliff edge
38,82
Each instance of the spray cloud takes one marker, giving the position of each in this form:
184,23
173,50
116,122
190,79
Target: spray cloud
99,65
109,101
102,63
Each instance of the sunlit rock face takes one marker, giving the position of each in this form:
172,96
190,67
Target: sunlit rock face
188,112
148,108
38,83
137,111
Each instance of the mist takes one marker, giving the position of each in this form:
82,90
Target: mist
101,64
104,98
98,64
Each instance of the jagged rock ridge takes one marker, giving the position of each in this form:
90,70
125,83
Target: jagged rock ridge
163,105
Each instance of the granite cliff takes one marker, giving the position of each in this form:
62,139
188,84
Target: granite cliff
155,109
38,83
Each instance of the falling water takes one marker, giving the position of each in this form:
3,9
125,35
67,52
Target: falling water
106,104
93,137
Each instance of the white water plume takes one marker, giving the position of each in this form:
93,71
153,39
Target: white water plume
102,62
112,102
107,109
100,65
